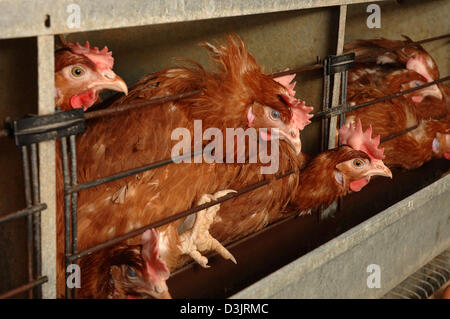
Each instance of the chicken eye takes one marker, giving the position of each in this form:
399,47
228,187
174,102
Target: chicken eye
77,71
358,163
131,273
418,83
275,115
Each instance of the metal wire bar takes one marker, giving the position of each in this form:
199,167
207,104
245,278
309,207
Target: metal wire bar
27,184
399,295
36,216
67,216
437,265
445,261
316,66
174,217
409,129
417,287
343,108
444,280
425,283
409,291
325,103
100,181
413,43
23,288
344,81
22,213
130,106
428,277
73,170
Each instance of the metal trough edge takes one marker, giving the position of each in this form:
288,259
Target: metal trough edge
400,239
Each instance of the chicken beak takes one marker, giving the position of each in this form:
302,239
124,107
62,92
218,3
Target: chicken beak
379,169
110,81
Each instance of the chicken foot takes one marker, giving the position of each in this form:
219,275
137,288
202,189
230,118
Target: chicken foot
198,238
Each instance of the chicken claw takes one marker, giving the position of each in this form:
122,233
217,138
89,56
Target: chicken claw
198,238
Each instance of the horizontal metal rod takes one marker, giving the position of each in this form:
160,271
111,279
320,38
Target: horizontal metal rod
316,66
172,218
130,106
409,129
344,109
420,42
23,288
23,212
104,180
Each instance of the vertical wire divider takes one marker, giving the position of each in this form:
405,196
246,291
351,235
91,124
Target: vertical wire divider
343,101
344,85
36,216
26,174
73,170
334,99
325,104
325,121
67,216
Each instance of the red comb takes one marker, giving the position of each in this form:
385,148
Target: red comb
286,81
102,58
156,268
300,112
361,141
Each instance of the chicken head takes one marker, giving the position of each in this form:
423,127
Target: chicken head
355,173
139,272
81,73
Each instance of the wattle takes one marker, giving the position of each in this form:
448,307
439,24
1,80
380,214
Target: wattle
85,99
356,186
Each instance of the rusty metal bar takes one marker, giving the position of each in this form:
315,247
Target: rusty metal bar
27,184
36,217
343,108
131,106
100,181
23,288
67,216
409,129
73,170
23,213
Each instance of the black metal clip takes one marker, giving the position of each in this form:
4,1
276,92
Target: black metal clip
41,128
339,63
